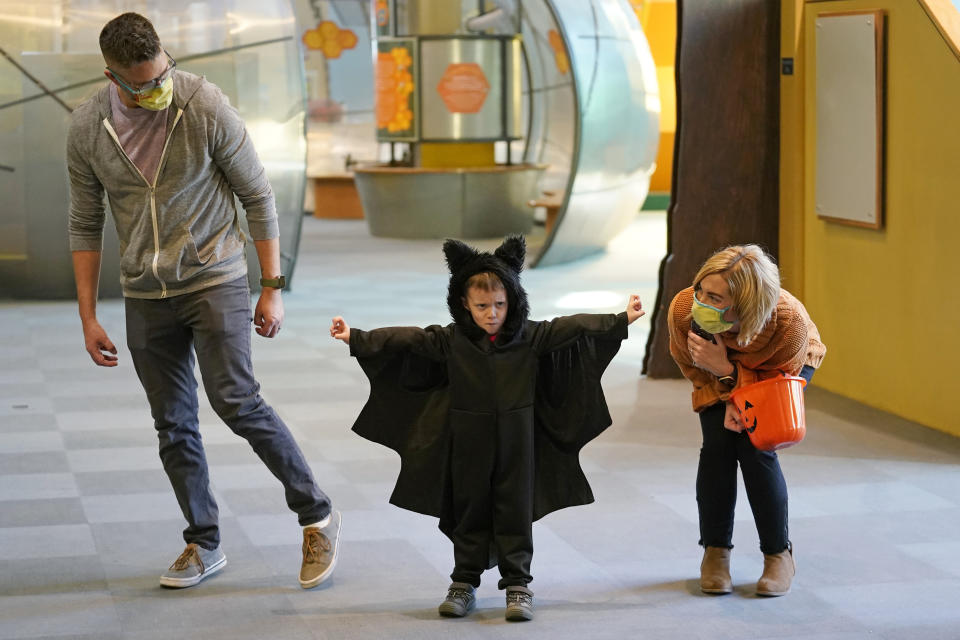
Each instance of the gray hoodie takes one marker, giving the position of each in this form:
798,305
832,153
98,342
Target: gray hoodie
182,233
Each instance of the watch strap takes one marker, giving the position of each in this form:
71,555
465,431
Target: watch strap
729,380
276,283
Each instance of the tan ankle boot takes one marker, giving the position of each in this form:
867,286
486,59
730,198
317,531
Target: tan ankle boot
778,572
715,570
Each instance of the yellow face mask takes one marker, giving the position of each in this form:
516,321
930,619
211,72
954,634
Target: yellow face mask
160,98
710,318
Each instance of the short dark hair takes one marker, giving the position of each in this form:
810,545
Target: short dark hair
129,39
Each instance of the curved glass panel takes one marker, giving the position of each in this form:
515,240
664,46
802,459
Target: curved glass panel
593,110
338,64
619,109
551,98
549,101
247,47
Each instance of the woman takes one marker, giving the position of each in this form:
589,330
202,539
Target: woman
733,327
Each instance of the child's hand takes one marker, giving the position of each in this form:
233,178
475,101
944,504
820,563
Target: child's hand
340,330
634,309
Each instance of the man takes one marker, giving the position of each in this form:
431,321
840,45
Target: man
171,152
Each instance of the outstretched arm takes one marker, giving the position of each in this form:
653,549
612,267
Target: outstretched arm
430,342
565,330
634,309
340,330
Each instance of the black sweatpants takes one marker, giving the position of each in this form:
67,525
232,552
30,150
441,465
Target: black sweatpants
492,486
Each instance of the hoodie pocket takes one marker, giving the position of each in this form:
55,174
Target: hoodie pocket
191,254
133,263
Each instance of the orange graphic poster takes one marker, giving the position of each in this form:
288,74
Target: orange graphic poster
394,87
330,39
463,87
383,13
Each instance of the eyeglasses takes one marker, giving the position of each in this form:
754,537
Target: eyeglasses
150,85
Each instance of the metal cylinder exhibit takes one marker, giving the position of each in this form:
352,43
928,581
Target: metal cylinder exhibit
448,97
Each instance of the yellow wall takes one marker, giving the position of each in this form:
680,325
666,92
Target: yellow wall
659,21
434,16
457,154
791,149
887,301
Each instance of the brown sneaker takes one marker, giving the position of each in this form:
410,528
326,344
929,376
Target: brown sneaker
778,572
715,571
193,565
319,552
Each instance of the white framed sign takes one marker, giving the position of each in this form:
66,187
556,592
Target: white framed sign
849,118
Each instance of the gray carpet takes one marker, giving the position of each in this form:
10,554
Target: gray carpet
88,521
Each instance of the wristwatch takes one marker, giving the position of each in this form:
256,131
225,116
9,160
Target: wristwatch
730,380
276,283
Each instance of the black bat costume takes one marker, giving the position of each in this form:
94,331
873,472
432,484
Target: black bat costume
488,431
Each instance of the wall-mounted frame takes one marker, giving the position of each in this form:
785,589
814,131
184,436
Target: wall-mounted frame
850,118
385,18
449,88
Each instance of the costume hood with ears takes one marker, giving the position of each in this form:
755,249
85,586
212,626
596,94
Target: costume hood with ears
506,262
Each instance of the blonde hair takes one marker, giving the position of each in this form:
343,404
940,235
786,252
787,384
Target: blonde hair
485,281
754,282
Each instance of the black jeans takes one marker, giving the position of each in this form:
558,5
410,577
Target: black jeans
717,484
215,323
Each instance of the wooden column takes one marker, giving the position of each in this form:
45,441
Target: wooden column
726,170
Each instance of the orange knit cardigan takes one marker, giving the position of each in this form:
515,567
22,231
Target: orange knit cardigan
787,342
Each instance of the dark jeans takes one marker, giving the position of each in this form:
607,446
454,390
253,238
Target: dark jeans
717,484
492,487
215,323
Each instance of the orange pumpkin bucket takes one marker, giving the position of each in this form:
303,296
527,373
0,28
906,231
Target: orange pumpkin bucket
772,411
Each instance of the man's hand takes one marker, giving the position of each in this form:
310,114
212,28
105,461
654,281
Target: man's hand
98,344
268,314
634,309
340,330
733,420
709,356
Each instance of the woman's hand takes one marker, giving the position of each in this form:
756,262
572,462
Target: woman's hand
709,356
340,330
634,309
733,420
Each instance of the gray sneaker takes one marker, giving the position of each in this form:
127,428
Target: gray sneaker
519,604
320,552
193,565
461,599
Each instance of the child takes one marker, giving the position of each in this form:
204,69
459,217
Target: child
488,415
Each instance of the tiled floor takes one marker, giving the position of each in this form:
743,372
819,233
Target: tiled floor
88,521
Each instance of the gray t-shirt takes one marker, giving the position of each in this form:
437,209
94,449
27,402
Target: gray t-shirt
141,132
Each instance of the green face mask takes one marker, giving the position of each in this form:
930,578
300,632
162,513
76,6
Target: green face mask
160,98
710,318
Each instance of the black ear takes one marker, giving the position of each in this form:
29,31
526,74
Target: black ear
458,255
512,251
